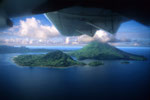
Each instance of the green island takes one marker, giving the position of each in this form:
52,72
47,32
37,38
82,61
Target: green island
103,51
52,59
95,51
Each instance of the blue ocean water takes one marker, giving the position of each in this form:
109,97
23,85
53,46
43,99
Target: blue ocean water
111,81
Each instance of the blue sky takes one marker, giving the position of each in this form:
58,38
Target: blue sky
37,30
40,17
133,29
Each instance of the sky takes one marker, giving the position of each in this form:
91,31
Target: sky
36,30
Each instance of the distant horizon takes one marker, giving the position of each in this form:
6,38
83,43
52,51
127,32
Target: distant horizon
81,45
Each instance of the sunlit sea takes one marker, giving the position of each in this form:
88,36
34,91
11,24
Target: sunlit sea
111,81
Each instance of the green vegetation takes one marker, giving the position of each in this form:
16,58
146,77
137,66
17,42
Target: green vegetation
94,50
102,51
96,63
51,59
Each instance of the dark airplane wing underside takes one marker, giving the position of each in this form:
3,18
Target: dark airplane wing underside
76,17
78,20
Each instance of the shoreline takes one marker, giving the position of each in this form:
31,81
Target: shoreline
12,60
84,61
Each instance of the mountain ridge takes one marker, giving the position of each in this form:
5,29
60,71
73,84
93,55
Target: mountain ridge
103,51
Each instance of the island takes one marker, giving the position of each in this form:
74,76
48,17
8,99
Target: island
103,51
22,49
52,59
95,51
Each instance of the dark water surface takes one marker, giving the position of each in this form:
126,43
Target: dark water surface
111,81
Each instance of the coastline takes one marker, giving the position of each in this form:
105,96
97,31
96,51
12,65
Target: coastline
12,60
20,66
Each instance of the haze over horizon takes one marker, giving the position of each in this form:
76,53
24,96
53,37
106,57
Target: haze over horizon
38,31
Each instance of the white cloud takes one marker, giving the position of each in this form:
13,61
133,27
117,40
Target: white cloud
67,41
30,31
22,41
85,39
103,36
100,35
32,28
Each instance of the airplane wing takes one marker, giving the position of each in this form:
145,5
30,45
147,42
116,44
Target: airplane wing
76,17
80,20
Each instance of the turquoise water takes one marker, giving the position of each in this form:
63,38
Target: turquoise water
111,81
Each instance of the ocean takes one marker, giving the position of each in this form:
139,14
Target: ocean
111,81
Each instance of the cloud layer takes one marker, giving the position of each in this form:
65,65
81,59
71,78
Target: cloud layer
32,28
31,31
